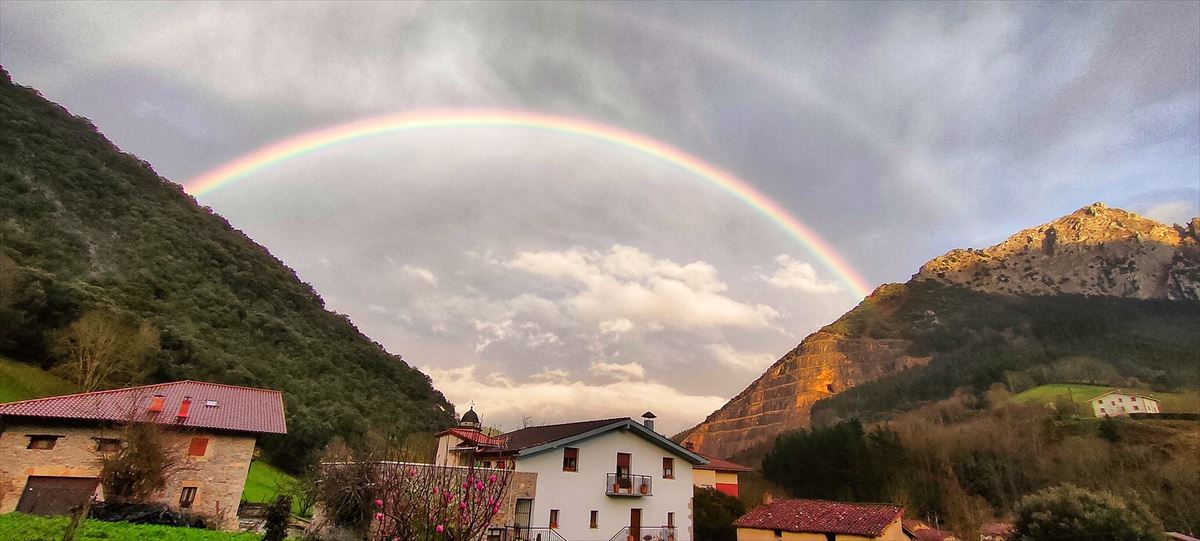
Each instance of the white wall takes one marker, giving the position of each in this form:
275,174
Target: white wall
1114,404
576,494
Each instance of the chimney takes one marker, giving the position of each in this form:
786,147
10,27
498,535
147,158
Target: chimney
767,498
184,407
156,403
648,420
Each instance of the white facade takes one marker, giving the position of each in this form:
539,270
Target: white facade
576,494
1114,403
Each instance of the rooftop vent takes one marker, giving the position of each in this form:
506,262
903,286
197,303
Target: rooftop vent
156,403
211,403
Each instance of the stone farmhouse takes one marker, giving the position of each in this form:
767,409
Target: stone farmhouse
1118,402
50,447
601,480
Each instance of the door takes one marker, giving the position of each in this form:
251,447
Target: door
623,460
55,495
635,523
524,510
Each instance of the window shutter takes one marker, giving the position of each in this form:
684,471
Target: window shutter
198,447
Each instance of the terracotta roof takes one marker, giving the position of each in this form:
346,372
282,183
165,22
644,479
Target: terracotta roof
718,464
1123,393
242,409
1003,530
820,516
473,436
920,531
537,435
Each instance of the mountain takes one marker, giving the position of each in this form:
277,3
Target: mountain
1101,293
85,225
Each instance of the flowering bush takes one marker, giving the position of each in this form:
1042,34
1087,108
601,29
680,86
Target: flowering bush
430,502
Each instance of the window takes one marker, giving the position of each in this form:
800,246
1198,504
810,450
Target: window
595,522
107,445
1101,410
1135,408
778,533
668,467
211,403
570,459
554,518
1101,402
487,463
42,441
198,447
1122,399
187,496
500,464
671,520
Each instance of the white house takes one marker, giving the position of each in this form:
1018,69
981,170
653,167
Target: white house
1119,402
596,480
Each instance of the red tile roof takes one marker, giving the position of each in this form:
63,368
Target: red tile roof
820,516
718,464
242,409
921,531
473,436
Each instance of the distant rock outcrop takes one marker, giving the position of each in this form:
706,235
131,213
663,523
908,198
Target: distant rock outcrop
1096,251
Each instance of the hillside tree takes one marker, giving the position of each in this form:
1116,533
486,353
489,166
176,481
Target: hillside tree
103,349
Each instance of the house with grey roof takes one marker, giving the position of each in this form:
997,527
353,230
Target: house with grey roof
596,480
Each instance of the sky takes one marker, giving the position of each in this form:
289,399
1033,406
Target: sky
547,276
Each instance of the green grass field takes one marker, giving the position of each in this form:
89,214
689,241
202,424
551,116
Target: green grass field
19,527
1182,402
265,482
20,381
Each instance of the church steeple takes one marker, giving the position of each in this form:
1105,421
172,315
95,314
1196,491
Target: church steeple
470,419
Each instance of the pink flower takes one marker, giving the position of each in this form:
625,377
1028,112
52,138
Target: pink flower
462,505
378,503
492,479
440,528
378,516
435,490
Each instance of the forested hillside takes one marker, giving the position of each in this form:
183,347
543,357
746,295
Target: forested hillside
85,226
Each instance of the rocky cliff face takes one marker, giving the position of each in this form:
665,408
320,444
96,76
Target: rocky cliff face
1094,251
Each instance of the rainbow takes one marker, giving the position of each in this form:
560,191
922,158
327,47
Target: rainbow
305,143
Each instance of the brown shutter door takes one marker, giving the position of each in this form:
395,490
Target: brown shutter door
198,447
55,495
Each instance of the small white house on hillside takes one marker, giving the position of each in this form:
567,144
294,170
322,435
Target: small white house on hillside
596,480
1119,402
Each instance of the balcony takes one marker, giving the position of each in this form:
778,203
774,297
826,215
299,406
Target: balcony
624,484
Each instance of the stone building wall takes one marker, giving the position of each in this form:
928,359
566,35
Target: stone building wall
218,476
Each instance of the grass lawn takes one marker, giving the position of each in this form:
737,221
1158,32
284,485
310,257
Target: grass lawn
20,381
265,482
19,527
1187,401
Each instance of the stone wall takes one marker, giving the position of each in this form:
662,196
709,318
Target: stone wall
522,485
219,475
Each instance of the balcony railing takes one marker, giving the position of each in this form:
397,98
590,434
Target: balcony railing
513,533
624,484
652,533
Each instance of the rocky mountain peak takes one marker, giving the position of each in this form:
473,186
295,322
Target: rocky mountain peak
1096,250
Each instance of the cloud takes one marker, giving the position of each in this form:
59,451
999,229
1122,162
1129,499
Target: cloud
503,401
618,371
419,273
1172,212
747,361
793,274
625,283
616,326
377,309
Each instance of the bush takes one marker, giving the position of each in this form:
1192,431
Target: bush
715,512
1068,512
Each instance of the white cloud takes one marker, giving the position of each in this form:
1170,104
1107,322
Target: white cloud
793,274
1172,212
499,400
377,309
616,326
419,273
741,360
618,371
625,283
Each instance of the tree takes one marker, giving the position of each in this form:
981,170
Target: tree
277,517
715,512
140,465
841,462
103,349
1070,513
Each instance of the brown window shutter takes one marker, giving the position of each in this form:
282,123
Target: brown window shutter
198,447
